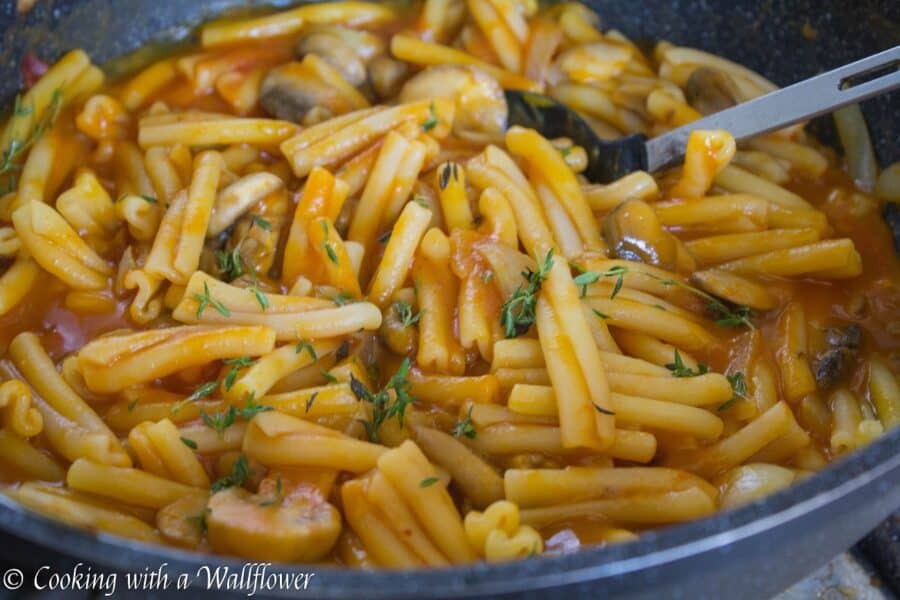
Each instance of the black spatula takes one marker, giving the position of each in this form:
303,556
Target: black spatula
610,160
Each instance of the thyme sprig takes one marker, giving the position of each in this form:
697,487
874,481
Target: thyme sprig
518,312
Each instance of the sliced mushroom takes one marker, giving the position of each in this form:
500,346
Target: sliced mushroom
288,92
480,104
336,52
298,527
710,90
833,364
386,76
634,232
182,521
237,198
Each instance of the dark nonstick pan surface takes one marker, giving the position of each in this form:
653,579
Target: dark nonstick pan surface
751,552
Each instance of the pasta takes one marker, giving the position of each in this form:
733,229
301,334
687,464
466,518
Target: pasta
302,294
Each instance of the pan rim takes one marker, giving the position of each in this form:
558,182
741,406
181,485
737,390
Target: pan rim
859,470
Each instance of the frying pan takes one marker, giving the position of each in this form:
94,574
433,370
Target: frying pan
752,552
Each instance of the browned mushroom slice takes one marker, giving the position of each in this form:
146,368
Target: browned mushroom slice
300,526
710,90
386,76
337,53
633,232
836,362
182,521
480,103
288,92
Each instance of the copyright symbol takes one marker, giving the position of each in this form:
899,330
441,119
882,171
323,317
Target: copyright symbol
13,579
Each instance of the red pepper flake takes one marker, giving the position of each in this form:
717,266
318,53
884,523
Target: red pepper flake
32,69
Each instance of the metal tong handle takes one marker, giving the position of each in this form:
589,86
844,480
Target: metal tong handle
815,96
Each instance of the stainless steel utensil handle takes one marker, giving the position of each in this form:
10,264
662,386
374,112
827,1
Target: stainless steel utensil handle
798,102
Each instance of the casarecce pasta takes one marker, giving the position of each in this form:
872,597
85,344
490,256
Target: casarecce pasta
300,293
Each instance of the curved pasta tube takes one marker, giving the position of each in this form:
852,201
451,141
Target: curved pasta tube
17,281
707,154
160,451
146,305
113,363
258,379
126,484
530,488
79,510
140,214
502,515
497,534
330,143
242,306
334,322
87,207
498,218
331,252
451,183
44,94
394,267
278,439
9,242
494,168
438,347
58,248
323,196
387,187
500,545
19,416
103,117
426,497
547,165
18,453
226,32
71,426
208,168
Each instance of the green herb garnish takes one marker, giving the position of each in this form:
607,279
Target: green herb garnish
739,388
17,147
404,311
727,316
384,407
200,520
428,482
310,400
464,427
236,365
341,299
240,472
230,263
279,494
679,369
262,223
260,297
432,121
207,300
518,312
306,345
